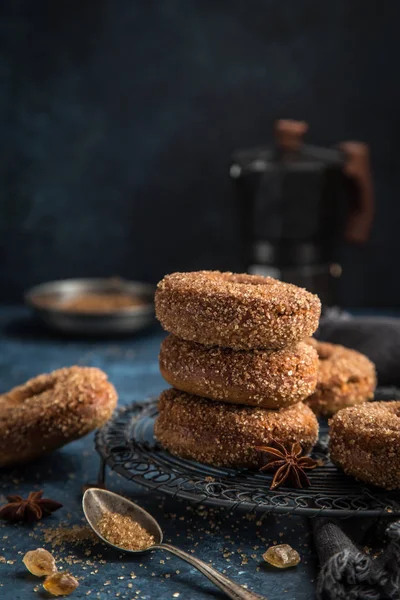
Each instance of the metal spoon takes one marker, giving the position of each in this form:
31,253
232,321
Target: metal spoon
96,501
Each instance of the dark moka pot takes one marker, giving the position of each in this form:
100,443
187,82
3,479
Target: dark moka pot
297,202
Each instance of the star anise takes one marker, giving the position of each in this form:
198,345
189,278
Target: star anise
289,464
33,508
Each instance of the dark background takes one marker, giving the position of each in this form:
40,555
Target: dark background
118,118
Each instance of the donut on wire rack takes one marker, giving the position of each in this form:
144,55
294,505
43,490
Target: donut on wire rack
345,378
365,443
265,378
236,311
222,434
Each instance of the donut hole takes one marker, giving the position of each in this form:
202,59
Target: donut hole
244,279
324,353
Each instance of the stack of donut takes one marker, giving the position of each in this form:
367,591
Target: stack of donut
238,366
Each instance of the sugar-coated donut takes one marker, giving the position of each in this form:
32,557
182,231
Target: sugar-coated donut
365,443
345,378
51,410
223,434
237,311
270,379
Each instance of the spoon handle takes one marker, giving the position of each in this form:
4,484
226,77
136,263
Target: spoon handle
232,590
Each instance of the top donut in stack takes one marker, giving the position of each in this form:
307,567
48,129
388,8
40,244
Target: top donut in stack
238,338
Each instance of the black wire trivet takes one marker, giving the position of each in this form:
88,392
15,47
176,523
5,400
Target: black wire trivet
127,445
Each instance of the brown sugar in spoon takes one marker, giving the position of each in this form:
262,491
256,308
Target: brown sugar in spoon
97,503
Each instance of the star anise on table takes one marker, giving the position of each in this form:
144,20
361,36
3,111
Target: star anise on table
33,508
290,465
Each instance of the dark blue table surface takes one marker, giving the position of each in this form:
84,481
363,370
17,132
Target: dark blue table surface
232,542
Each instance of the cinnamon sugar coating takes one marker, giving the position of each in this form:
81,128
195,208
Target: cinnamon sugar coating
51,410
345,378
236,311
270,379
365,443
223,434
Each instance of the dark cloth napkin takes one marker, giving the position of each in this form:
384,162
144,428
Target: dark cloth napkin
391,561
347,572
